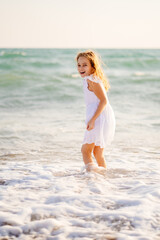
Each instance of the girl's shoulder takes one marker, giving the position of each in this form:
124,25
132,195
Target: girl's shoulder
93,78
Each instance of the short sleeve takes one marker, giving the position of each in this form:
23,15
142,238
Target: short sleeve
93,78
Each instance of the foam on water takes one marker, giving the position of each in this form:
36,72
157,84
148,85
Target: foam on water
64,201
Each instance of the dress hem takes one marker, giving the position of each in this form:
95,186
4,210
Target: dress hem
97,145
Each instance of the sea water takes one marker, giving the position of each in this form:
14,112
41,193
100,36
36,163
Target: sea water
45,192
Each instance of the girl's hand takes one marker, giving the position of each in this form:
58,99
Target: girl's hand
90,125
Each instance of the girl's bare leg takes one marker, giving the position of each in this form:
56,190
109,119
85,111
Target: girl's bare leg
99,156
87,155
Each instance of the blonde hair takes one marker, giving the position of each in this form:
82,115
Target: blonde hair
95,62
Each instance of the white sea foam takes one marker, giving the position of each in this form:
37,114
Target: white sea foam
139,73
75,75
3,53
38,200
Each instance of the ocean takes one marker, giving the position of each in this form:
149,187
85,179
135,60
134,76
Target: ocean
45,192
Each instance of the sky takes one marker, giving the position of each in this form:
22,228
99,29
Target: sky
80,23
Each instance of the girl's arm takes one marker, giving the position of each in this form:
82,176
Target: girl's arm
98,91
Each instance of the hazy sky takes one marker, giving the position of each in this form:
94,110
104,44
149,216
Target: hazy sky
80,23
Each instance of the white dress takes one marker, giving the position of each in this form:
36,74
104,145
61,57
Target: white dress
103,132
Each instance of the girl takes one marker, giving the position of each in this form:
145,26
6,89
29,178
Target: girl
100,119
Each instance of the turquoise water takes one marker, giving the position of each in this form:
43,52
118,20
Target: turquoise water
41,89
42,122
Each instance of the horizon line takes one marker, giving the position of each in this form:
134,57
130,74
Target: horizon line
81,48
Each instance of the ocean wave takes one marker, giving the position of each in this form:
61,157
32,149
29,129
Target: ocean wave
138,64
43,64
11,54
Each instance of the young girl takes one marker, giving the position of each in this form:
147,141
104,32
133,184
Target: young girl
100,119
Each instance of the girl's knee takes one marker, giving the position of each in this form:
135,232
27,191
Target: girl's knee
85,150
98,152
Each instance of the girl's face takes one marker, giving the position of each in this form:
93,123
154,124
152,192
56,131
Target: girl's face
84,67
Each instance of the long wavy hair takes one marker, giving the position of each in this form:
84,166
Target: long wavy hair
95,62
